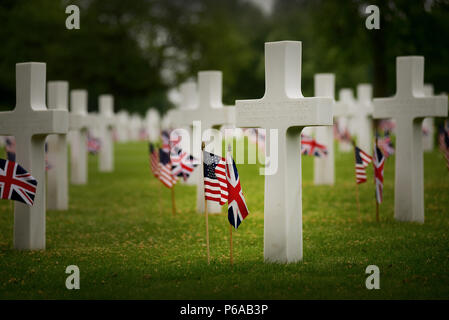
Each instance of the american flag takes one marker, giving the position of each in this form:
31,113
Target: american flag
309,146
443,139
362,160
386,145
10,148
183,164
165,174
215,182
154,159
16,183
237,209
93,144
378,164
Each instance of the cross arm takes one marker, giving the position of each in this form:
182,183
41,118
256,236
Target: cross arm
35,122
314,111
413,107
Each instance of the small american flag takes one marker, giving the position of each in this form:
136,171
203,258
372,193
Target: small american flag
215,182
154,160
16,183
93,144
443,139
362,160
309,146
378,164
165,175
237,209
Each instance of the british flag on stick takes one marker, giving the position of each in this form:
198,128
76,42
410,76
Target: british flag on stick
237,209
309,146
16,183
378,164
362,160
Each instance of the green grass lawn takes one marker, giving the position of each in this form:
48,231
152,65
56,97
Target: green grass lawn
127,248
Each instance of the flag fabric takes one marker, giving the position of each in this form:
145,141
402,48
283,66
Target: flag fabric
378,164
10,148
165,174
165,135
309,146
237,208
93,144
183,164
215,182
154,159
443,139
341,134
16,183
386,145
362,160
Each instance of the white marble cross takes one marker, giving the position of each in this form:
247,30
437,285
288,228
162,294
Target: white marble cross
153,124
212,114
57,175
428,142
346,103
105,123
135,124
324,167
189,100
408,107
363,117
122,119
30,122
79,123
283,108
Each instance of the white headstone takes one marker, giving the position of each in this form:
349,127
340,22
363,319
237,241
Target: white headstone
346,121
212,114
408,107
324,167
428,142
189,100
30,123
153,124
363,117
122,119
79,122
105,123
283,108
57,175
135,124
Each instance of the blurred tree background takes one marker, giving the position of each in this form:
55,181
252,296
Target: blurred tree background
138,50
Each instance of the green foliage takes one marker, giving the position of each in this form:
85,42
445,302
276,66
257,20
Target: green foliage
127,248
139,49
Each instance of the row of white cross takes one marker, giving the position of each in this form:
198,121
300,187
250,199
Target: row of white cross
283,107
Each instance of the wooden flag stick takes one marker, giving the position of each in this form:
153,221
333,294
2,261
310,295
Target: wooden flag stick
230,244
173,201
205,207
160,198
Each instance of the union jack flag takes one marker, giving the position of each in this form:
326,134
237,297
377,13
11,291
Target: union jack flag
215,182
378,164
183,164
165,175
362,160
237,209
386,145
154,160
443,139
16,183
309,146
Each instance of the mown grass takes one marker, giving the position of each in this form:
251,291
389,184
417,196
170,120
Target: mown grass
126,248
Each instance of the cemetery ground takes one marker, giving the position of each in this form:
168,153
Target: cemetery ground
126,248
